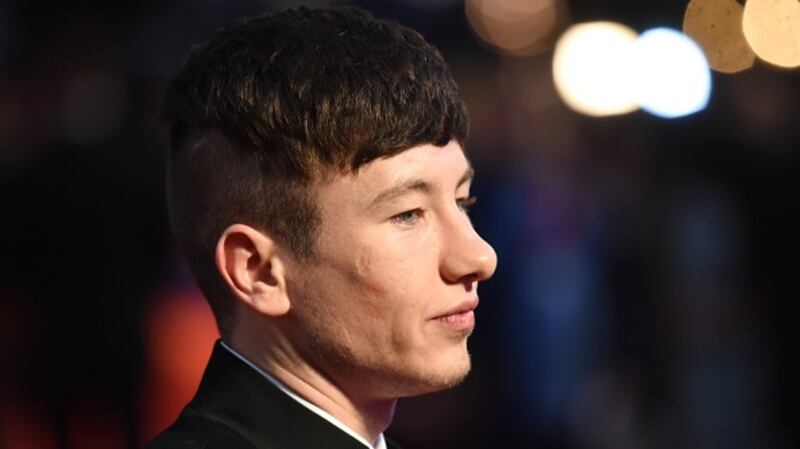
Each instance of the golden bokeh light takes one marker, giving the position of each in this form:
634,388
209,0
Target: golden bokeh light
772,28
716,25
592,68
517,27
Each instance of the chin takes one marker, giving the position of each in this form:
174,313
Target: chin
446,373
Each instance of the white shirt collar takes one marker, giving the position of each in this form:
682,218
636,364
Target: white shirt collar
379,444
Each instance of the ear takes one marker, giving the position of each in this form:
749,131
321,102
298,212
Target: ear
249,262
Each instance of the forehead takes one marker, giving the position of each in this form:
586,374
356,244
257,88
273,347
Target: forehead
441,167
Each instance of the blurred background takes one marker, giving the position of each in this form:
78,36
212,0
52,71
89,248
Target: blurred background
646,258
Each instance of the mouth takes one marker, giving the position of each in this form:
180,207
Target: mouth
460,318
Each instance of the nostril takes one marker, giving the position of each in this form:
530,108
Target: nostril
470,281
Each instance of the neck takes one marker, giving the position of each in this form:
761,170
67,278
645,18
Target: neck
366,417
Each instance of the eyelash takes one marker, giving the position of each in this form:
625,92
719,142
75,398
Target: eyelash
410,217
466,203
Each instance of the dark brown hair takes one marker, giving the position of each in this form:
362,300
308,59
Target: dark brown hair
275,102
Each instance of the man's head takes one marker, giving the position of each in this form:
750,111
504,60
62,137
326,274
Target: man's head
271,104
283,128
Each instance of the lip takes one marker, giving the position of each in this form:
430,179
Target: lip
460,318
463,308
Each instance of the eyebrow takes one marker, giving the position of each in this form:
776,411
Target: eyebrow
414,185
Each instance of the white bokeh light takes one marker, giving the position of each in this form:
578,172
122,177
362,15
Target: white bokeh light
591,68
671,72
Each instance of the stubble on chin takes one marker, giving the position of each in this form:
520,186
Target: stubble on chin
381,380
432,377
453,375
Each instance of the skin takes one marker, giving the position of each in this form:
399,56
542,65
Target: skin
373,317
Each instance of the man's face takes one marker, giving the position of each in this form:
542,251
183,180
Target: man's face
386,306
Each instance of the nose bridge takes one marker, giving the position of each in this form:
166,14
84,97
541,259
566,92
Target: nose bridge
465,254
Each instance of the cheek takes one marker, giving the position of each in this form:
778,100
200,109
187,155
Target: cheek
366,272
388,277
383,284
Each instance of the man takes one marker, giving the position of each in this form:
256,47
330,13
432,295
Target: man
318,186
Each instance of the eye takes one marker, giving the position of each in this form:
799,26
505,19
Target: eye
409,217
466,203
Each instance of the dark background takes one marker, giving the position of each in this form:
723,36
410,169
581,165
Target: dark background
642,298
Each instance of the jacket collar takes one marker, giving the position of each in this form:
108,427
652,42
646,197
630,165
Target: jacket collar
241,398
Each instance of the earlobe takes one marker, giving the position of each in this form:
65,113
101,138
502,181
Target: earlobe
250,263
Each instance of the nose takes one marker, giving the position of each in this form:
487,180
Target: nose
466,257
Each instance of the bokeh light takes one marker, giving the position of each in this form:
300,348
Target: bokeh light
672,75
772,28
716,26
591,68
517,27
180,332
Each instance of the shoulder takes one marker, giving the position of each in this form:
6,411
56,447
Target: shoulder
194,431
237,407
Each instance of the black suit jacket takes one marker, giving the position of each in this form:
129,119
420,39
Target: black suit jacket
237,408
